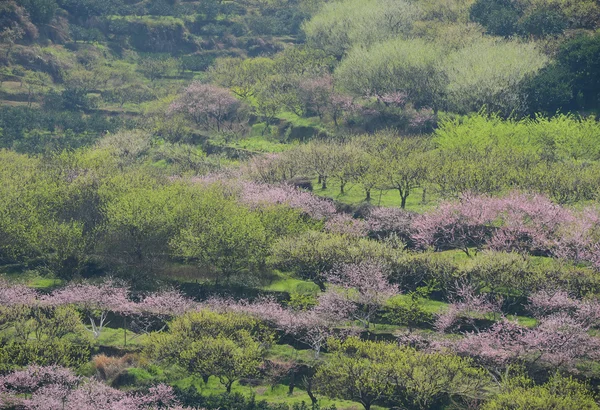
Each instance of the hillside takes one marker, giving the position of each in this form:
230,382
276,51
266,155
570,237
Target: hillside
299,204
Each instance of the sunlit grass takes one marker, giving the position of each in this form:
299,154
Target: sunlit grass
275,394
355,195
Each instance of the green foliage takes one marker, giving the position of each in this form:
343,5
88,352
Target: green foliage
340,26
30,225
499,17
222,235
539,18
43,336
560,393
238,401
557,138
228,346
374,372
312,253
490,72
40,11
410,66
411,311
581,57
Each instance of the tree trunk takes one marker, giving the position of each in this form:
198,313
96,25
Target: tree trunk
424,196
324,183
309,391
403,201
368,198
292,383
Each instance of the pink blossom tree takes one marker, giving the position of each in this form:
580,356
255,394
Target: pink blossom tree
383,222
516,222
315,94
256,195
311,327
56,388
579,240
358,290
207,105
96,301
465,308
559,340
460,225
16,294
344,224
156,308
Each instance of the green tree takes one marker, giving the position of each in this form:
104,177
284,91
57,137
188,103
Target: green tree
340,26
403,164
229,346
40,11
560,393
222,236
359,371
412,66
491,72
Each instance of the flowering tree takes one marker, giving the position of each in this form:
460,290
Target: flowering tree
167,303
383,222
344,224
16,294
256,194
158,307
312,327
96,301
559,340
466,306
579,238
359,289
455,225
315,94
207,105
56,388
517,222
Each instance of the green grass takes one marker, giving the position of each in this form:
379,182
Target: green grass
354,195
30,278
276,394
285,283
297,121
260,144
287,352
44,283
115,337
428,305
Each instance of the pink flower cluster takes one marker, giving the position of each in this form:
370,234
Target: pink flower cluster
56,388
517,222
206,104
312,327
344,224
384,221
256,195
561,337
16,294
97,300
466,306
358,291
